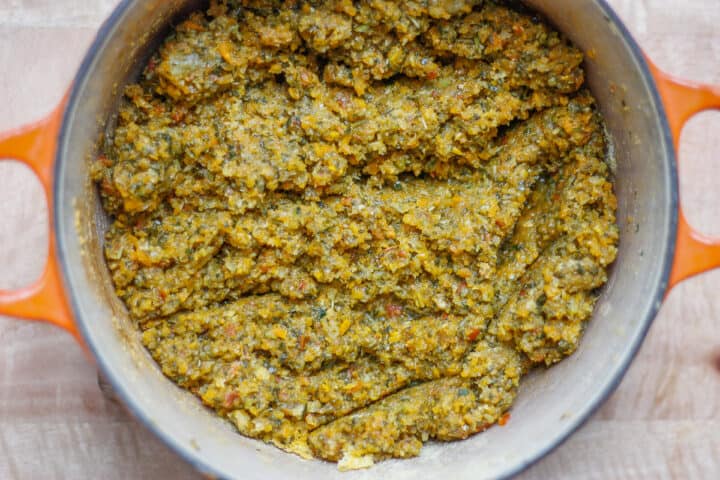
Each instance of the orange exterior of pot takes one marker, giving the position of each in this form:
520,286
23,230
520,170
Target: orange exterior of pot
36,146
694,252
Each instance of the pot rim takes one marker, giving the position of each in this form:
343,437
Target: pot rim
196,459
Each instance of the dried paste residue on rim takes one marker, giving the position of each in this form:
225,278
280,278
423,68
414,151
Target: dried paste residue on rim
351,227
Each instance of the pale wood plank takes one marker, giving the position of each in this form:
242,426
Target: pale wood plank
44,13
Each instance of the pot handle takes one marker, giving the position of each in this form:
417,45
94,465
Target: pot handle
35,146
694,252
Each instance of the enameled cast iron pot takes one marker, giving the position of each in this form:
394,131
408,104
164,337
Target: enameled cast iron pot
644,109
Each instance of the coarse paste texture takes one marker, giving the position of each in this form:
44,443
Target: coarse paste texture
351,227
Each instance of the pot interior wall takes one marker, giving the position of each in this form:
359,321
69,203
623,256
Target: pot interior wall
551,403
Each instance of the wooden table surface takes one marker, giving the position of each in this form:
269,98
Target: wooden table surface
662,422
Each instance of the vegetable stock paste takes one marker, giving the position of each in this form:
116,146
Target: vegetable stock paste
351,227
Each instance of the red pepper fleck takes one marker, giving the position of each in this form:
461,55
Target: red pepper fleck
230,399
178,115
500,223
302,285
433,75
230,331
342,100
104,161
107,187
522,293
504,419
393,310
151,65
473,334
518,29
163,294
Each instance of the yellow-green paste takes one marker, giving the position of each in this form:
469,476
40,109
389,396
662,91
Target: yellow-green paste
351,227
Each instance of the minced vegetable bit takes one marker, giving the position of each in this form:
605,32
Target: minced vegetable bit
350,227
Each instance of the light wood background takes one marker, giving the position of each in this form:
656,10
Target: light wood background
662,422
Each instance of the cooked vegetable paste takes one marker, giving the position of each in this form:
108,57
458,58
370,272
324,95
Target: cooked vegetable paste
350,227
